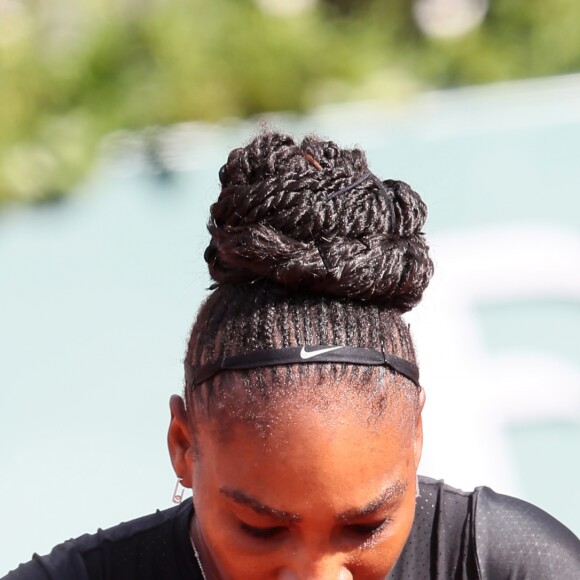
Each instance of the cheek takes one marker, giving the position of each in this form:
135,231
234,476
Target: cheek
236,559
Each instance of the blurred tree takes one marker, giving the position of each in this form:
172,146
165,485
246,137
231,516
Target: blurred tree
72,72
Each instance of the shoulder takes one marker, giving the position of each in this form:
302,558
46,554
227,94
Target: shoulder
88,556
446,507
485,535
439,545
440,491
516,539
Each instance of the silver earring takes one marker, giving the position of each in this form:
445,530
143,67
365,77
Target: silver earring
178,491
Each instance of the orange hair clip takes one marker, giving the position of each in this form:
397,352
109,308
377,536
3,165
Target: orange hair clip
312,161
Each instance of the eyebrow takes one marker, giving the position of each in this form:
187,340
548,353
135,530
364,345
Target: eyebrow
392,491
260,508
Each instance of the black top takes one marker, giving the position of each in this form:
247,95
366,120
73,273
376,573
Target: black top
480,535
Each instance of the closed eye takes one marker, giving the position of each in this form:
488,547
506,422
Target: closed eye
370,529
262,533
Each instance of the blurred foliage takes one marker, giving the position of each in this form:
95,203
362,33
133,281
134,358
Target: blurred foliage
73,72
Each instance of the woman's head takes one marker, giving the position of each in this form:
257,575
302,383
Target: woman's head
307,248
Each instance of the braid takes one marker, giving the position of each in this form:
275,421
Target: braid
294,265
259,319
275,221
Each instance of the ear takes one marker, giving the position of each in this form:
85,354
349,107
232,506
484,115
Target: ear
418,444
180,441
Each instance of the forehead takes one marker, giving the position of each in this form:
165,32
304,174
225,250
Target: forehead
315,458
265,402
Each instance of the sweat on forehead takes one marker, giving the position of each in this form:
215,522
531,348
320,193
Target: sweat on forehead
264,399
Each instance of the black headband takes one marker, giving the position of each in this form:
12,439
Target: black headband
301,355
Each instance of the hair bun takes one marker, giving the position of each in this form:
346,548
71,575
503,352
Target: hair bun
276,220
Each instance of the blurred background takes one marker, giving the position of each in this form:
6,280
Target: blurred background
114,120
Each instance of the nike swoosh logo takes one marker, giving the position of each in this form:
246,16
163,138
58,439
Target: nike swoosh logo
305,355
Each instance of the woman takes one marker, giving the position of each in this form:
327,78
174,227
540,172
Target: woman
300,427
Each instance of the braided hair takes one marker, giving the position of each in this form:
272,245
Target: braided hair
305,250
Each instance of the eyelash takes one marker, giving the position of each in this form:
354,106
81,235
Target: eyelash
369,530
361,530
261,533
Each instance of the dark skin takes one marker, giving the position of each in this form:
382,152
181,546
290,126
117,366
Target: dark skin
326,495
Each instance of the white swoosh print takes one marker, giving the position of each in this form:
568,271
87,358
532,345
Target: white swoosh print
305,355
